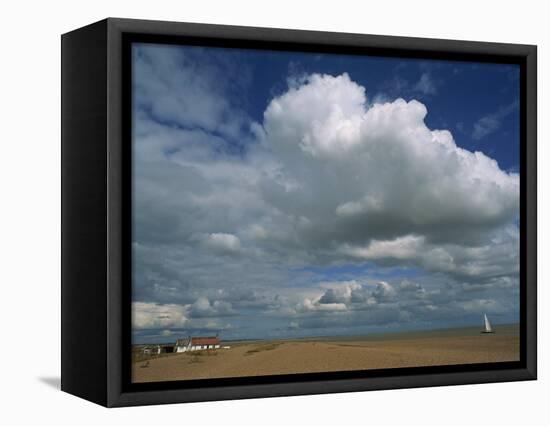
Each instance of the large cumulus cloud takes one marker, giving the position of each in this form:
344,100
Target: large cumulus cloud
357,172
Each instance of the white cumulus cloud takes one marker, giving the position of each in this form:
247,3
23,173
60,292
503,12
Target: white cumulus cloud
153,315
223,243
365,173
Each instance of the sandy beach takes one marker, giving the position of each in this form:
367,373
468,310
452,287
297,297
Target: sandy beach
308,356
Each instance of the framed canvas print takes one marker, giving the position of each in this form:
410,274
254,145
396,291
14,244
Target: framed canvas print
253,212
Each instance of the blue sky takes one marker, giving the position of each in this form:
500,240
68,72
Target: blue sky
284,194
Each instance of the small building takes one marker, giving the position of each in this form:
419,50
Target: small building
149,350
152,350
197,344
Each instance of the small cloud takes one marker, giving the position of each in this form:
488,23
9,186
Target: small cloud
309,305
330,296
485,126
410,290
259,232
153,315
222,243
203,308
384,292
425,85
492,122
339,292
403,248
367,204
293,325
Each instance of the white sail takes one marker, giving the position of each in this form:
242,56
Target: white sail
488,328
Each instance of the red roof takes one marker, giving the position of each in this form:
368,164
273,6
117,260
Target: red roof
205,341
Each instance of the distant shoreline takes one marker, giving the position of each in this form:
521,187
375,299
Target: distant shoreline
388,335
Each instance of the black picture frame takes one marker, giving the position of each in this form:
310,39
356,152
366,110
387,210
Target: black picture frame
96,208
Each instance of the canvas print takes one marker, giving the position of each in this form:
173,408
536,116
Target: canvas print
302,212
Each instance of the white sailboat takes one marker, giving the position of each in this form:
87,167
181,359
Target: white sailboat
487,325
